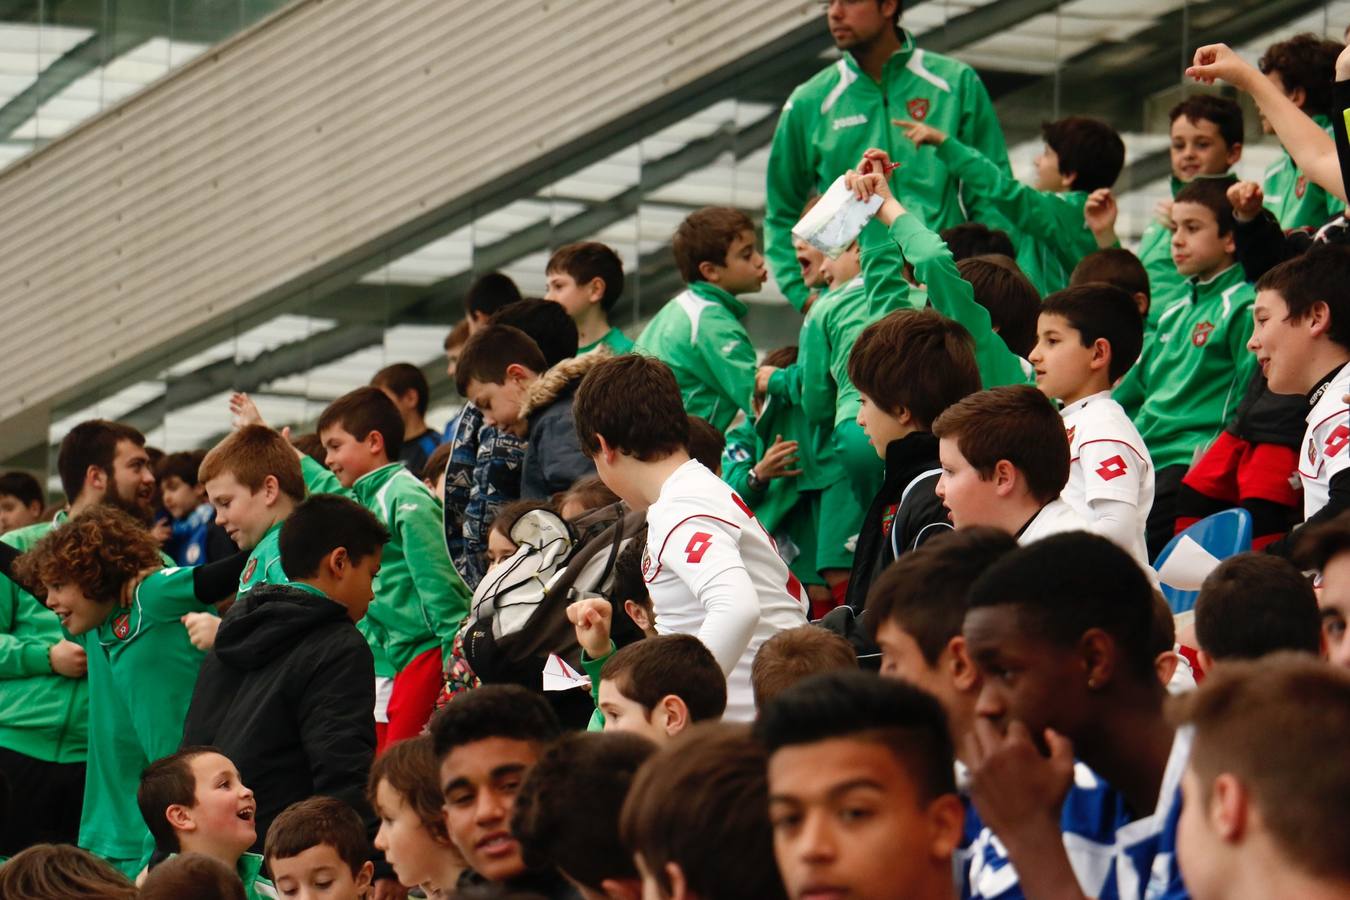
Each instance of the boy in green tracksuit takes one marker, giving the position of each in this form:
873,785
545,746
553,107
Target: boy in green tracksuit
142,665
829,120
1304,68
1081,155
1206,134
586,279
1190,378
699,333
420,600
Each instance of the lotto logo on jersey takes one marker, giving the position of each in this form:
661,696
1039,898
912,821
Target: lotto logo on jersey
918,109
1201,333
249,570
697,546
1301,186
1112,468
1337,440
122,626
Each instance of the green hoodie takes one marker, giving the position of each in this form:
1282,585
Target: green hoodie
1291,195
142,670
952,295
1191,377
1052,235
42,714
699,335
420,599
829,121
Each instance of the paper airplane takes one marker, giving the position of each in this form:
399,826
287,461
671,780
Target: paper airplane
559,676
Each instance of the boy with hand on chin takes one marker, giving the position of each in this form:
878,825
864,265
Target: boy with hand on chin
711,568
699,333
1088,337
195,802
419,599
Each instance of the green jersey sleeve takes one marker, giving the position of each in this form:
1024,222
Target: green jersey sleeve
786,384
442,594
22,657
789,182
319,480
980,130
728,358
818,390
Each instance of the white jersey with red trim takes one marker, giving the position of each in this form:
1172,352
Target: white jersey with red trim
1325,443
1108,462
714,572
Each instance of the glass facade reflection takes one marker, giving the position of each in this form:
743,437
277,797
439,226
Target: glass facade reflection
1039,60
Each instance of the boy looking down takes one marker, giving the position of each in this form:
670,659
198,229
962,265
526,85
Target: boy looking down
318,848
419,598
1191,376
711,568
699,333
1089,336
1081,155
586,279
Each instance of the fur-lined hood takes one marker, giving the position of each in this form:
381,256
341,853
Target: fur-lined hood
566,374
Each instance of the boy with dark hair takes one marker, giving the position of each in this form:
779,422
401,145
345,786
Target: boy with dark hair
319,847
1303,68
1262,816
1081,155
1005,463
1190,378
405,384
194,801
487,741
1254,604
288,690
659,686
706,444
1012,300
546,323
1206,142
489,292
711,568
586,279
908,368
702,794
885,745
1301,340
699,333
796,654
1089,336
582,771
1120,268
976,239
21,501
420,599
196,538
1326,548
1062,634
503,373
45,697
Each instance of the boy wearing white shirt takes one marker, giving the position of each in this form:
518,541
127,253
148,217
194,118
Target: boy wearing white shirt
1087,338
710,567
1302,343
1005,461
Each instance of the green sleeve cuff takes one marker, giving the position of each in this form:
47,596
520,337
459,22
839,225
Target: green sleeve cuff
778,384
953,153
35,659
592,667
905,227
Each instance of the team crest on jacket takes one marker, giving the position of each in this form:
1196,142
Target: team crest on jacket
918,109
1201,333
1301,186
250,569
646,562
122,626
1073,429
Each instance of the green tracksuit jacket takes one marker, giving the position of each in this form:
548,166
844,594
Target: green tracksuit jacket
1052,236
700,336
1291,195
420,600
142,669
952,295
829,121
264,563
42,714
1191,377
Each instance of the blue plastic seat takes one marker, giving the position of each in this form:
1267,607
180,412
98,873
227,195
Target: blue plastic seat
1222,535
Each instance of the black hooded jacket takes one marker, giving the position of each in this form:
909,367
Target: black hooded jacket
288,695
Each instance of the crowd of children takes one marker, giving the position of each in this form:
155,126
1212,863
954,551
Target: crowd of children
875,616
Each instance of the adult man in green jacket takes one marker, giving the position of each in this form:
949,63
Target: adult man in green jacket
848,107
